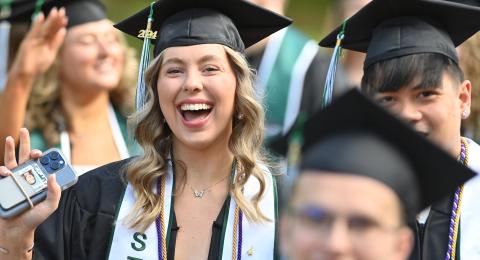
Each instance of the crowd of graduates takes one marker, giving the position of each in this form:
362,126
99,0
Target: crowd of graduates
234,135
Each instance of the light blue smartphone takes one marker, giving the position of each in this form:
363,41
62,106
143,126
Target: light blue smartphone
31,180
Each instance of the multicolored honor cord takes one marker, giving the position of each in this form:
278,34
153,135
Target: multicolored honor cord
456,205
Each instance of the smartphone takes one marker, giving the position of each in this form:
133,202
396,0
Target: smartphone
32,176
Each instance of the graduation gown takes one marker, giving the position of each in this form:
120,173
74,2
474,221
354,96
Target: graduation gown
82,227
434,242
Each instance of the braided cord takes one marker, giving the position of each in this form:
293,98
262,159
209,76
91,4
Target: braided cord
235,233
160,221
456,206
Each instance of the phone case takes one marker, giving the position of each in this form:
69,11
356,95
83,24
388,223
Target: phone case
32,177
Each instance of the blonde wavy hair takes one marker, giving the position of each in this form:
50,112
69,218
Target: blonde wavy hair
469,62
155,137
45,113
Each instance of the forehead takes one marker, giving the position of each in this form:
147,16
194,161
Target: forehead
100,27
210,51
345,194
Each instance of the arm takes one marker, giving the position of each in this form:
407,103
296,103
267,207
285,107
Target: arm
36,54
16,234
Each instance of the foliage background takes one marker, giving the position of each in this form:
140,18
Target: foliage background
311,16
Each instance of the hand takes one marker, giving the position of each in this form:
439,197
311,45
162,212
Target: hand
18,232
40,46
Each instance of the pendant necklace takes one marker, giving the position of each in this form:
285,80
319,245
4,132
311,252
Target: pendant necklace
198,194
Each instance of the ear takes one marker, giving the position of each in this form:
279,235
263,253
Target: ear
465,97
405,244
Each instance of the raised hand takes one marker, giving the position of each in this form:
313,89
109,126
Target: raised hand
16,234
40,46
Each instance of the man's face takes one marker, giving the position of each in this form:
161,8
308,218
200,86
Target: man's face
332,216
433,112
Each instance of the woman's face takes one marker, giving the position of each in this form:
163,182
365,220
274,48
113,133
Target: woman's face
196,88
92,56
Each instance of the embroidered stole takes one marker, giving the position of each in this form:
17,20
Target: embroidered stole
249,239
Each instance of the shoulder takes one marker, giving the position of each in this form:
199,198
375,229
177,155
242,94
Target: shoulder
101,187
474,155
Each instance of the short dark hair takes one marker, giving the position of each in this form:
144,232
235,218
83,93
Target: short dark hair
394,74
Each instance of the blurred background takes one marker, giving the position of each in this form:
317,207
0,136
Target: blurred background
311,16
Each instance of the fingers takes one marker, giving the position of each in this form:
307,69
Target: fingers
24,151
54,193
4,171
56,21
35,153
9,157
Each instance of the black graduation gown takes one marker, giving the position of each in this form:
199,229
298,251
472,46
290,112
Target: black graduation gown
435,232
82,226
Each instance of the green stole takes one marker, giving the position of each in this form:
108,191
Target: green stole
282,71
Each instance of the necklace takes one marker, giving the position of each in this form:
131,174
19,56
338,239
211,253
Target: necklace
455,214
163,234
198,194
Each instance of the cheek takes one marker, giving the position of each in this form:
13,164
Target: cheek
78,57
302,242
166,96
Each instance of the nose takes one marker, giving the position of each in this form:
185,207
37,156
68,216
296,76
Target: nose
103,48
193,82
338,240
409,112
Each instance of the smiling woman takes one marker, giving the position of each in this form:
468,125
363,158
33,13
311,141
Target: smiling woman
72,85
202,188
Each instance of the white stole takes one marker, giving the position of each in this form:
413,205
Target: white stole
258,239
470,208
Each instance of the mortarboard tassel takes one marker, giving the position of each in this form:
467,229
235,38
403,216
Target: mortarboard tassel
5,11
144,60
332,68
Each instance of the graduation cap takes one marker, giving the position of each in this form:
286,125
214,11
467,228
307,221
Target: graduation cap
78,11
387,29
356,136
237,24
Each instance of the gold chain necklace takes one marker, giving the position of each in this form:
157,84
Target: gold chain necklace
198,194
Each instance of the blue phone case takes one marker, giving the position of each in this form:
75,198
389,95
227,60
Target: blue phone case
32,177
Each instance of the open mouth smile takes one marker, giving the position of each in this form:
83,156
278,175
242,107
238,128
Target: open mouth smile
195,114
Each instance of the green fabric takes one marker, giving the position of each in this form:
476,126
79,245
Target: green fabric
38,142
278,84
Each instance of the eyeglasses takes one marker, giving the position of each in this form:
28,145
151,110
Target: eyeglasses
319,223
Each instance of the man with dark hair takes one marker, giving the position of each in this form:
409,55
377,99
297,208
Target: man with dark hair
364,175
412,69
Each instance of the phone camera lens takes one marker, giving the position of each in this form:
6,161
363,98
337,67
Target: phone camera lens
54,155
55,165
44,160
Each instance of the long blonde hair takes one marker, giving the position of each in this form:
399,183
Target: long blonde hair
45,113
153,134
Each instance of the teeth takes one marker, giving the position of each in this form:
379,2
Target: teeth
194,107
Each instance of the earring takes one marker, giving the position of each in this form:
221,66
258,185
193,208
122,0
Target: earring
241,116
465,114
